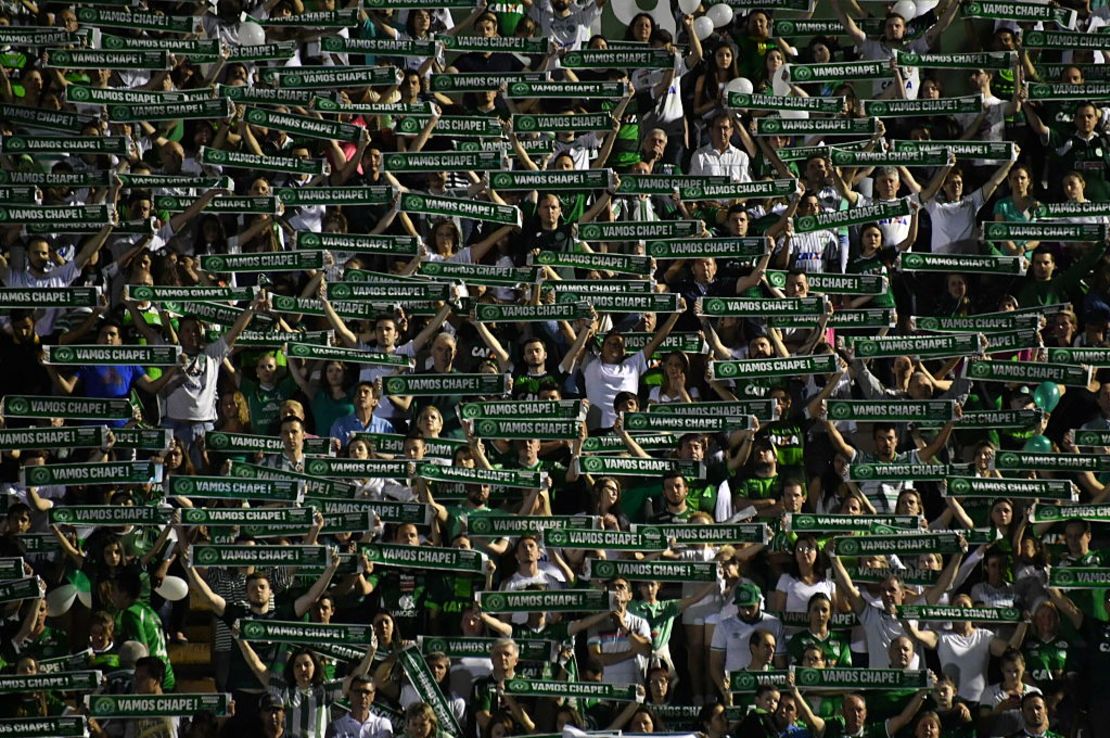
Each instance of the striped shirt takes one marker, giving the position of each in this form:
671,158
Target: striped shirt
307,711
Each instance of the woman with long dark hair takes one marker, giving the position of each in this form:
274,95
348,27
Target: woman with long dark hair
301,687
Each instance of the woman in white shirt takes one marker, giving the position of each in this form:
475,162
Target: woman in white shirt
965,651
808,575
676,386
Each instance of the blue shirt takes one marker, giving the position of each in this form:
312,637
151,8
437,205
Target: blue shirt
110,382
348,424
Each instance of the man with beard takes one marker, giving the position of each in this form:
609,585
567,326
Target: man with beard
761,488
476,504
1034,718
256,605
39,274
731,647
526,386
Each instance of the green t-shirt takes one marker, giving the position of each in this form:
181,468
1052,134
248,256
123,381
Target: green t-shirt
140,623
757,488
874,264
660,618
265,404
836,647
1045,659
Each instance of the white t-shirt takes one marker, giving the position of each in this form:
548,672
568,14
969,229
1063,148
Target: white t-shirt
732,635
965,659
895,228
734,163
954,222
607,638
798,592
604,381
570,32
194,399
880,629
876,50
57,277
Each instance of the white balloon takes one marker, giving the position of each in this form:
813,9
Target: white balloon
688,6
720,14
736,85
251,34
60,599
793,114
173,589
85,598
924,6
905,8
703,28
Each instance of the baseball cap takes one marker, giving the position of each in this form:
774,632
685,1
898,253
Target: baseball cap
270,702
747,595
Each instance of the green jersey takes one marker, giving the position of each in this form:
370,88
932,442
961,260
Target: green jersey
1045,660
660,618
836,647
140,623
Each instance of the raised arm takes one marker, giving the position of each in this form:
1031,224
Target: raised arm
844,585
938,443
245,317
432,328
850,28
308,599
947,576
253,661
664,330
209,599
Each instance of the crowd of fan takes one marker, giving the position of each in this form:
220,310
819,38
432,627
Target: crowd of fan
785,602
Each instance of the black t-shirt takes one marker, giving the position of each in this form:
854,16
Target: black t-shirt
477,62
240,675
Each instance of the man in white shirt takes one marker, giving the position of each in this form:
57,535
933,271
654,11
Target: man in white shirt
38,275
619,640
359,722
566,25
730,649
880,620
954,217
719,157
191,396
894,40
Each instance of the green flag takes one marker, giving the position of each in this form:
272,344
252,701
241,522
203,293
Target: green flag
452,207
1021,489
92,473
75,408
746,369
100,355
263,490
302,125
1010,371
933,347
869,679
806,73
175,704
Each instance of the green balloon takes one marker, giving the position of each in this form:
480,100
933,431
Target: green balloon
1038,445
1047,396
